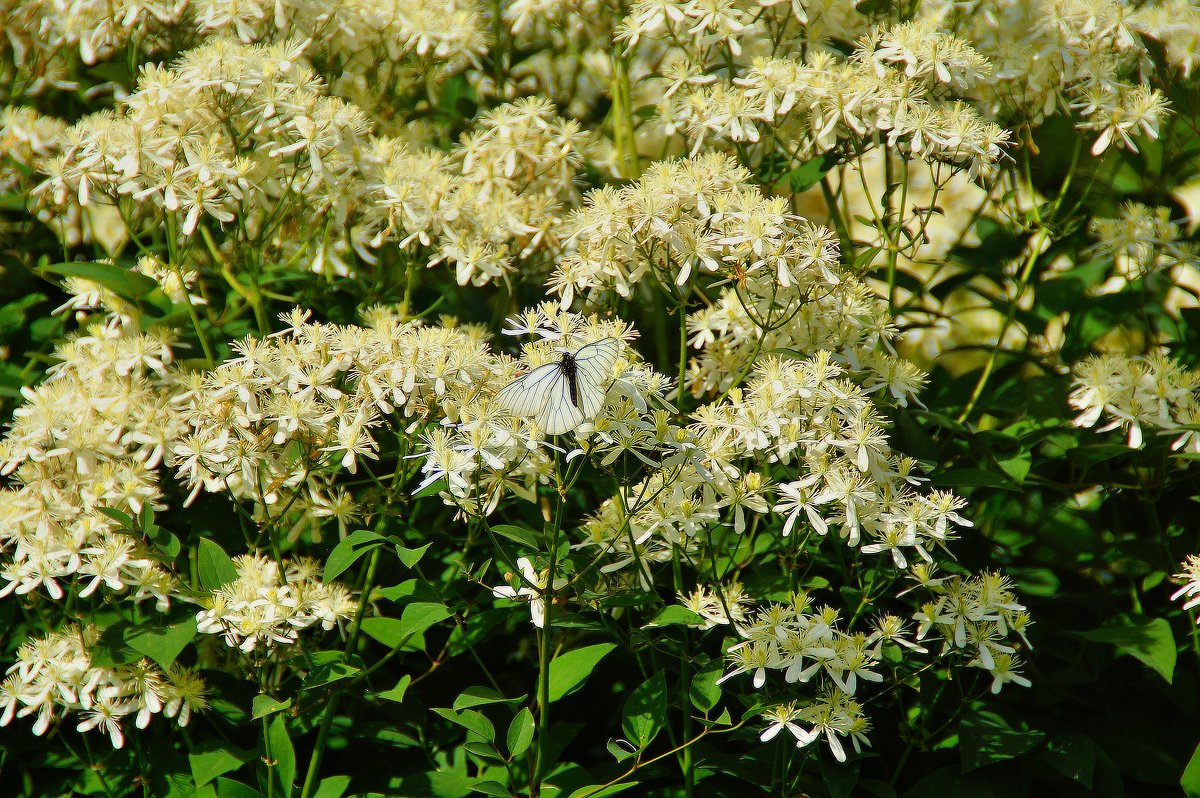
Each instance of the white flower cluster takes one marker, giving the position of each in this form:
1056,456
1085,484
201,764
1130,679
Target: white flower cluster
1190,576
248,132
1080,55
90,437
489,205
1138,393
377,49
832,714
43,38
721,605
898,84
229,131
267,607
54,677
974,617
978,617
686,221
290,412
1142,241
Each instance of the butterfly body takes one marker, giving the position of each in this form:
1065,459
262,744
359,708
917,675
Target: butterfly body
571,370
563,394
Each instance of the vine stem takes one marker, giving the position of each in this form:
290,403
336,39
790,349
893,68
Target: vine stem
543,683
622,118
191,308
314,762
1036,245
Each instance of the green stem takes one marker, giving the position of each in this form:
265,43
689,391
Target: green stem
540,765
1035,249
314,762
683,353
622,118
410,283
191,308
685,679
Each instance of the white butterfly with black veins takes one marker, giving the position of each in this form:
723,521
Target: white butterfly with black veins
561,395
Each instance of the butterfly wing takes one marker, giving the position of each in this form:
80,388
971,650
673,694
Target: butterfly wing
527,395
593,370
559,414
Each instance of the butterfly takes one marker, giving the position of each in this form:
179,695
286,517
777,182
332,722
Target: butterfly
561,395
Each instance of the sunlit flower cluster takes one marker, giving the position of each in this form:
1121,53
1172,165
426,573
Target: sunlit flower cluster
1150,393
45,39
1142,241
88,438
229,132
833,714
804,643
1079,55
375,49
54,677
277,424
978,617
266,606
495,201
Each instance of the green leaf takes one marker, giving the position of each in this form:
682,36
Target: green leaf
1016,466
214,566
674,615
432,489
281,753
111,650
470,719
264,705
411,557
1190,781
124,519
228,788
332,787
985,737
600,791
1148,639
972,478
809,173
839,779
490,787
646,711
621,749
328,667
161,643
526,537
211,759
416,618
520,733
704,692
397,693
346,552
570,670
1074,756
420,615
481,696
131,286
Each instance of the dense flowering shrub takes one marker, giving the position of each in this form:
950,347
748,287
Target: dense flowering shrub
651,379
